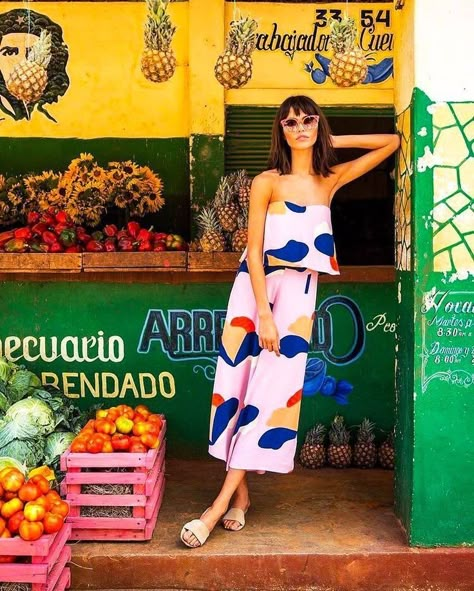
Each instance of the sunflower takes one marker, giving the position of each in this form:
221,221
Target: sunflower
2,182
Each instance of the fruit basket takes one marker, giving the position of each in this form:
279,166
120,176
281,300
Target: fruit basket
44,566
114,496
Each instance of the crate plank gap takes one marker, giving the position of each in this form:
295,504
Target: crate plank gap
146,474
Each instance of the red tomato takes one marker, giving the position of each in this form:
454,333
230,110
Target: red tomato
8,496
107,447
53,497
34,511
113,415
101,413
120,442
14,522
29,492
150,440
78,446
60,508
11,507
13,480
143,410
137,447
5,534
105,426
95,443
41,482
153,428
43,501
140,428
3,524
31,530
155,419
53,522
124,424
1,491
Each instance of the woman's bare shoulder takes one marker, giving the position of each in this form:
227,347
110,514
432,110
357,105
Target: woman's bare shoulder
266,178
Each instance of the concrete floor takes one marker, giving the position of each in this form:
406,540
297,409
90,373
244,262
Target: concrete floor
325,530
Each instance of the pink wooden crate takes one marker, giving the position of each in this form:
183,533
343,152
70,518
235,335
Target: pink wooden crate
49,555
120,529
114,460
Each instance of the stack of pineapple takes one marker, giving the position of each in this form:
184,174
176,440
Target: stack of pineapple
223,223
340,453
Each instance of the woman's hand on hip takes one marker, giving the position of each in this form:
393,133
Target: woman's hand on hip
268,337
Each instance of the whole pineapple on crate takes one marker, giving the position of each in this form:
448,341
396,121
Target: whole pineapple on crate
233,68
348,66
339,449
226,208
212,239
158,60
386,452
365,450
313,451
240,236
29,78
243,183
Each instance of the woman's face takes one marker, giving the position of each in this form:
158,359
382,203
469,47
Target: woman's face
14,48
300,131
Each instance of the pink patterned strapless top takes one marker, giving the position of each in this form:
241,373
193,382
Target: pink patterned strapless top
298,236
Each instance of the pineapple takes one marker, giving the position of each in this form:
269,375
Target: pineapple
158,59
240,236
365,451
387,452
313,452
195,245
242,184
212,239
349,64
30,77
339,450
226,209
233,68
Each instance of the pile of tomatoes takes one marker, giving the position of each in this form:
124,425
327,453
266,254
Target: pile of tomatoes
120,428
28,508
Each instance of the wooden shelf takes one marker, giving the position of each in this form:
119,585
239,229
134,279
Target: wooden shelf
149,262
213,261
40,262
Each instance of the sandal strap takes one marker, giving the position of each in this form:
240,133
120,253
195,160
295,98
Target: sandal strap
235,514
198,528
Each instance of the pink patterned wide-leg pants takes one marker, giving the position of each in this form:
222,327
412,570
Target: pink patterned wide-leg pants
257,396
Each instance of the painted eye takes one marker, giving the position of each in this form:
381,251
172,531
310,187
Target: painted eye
9,51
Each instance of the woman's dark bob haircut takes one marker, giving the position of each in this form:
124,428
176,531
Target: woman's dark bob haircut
280,152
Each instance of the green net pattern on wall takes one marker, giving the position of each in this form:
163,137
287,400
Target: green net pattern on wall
404,172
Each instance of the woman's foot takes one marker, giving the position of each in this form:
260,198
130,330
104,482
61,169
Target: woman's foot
209,518
241,502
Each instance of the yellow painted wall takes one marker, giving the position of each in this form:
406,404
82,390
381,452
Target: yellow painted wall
403,57
108,96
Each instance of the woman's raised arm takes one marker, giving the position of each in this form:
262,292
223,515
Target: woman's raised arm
380,146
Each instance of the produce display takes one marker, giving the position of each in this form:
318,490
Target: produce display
37,423
28,507
223,222
54,231
364,452
120,429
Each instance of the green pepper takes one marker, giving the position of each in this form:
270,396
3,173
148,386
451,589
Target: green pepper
97,235
16,245
39,247
68,237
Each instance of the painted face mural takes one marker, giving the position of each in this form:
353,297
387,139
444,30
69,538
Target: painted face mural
26,83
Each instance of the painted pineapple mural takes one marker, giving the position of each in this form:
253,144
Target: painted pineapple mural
158,59
349,65
233,68
33,59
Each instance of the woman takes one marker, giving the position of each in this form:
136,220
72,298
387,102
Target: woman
262,358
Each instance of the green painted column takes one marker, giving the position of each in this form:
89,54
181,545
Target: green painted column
434,476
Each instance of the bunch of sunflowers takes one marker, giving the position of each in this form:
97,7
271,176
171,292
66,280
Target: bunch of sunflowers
85,191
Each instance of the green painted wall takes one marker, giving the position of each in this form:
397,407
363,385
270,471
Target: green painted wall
165,340
168,157
441,392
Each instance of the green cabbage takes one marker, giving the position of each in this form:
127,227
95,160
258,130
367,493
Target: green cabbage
23,383
29,418
6,369
56,444
25,451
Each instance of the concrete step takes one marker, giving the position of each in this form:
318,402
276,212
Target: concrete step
322,530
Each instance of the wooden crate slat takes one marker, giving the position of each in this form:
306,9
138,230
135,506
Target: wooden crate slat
25,261
107,522
23,573
213,261
151,524
111,535
18,547
150,506
98,478
134,260
64,581
107,500
155,471
56,571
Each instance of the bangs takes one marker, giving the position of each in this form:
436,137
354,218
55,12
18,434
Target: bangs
300,104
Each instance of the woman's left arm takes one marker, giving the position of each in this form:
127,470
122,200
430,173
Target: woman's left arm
381,145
